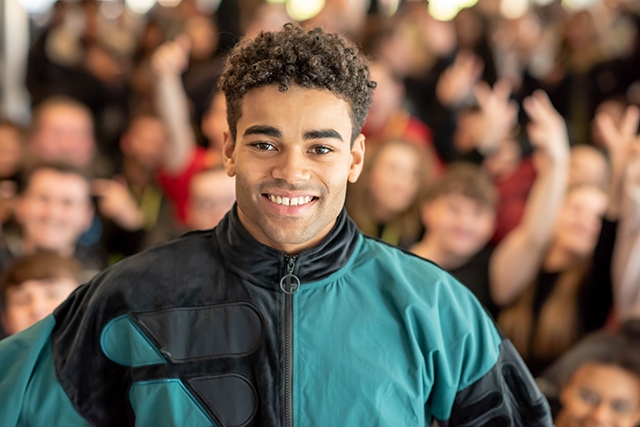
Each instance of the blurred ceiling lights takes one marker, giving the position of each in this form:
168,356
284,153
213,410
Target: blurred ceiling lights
446,10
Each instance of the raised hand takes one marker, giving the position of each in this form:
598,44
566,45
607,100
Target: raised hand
456,83
619,139
499,114
171,59
117,203
547,129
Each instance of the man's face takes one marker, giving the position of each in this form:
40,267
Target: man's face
33,300
600,396
292,160
211,195
64,134
146,142
54,210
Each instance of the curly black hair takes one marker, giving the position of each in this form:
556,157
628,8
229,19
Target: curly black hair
293,56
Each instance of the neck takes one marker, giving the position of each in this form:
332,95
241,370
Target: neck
558,259
138,176
30,247
381,215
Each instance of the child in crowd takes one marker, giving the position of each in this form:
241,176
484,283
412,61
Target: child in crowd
33,286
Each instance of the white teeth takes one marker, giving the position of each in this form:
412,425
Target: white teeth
293,201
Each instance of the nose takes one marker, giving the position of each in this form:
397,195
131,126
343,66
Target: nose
291,167
601,414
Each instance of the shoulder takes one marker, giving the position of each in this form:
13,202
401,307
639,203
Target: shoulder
409,273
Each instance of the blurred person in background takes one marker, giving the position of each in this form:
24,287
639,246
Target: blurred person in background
184,156
52,211
134,211
32,286
384,202
597,382
212,194
571,293
459,213
12,153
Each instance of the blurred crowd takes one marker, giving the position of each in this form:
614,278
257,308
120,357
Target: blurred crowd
503,148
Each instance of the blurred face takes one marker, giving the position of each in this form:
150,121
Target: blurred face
54,210
65,134
33,300
387,97
587,166
10,151
292,160
214,123
146,142
460,225
600,395
395,179
580,220
211,195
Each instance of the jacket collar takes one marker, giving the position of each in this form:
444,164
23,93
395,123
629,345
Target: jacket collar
263,264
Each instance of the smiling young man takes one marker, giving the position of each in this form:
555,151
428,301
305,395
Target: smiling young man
284,314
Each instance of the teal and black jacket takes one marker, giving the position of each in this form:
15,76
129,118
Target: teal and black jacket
216,329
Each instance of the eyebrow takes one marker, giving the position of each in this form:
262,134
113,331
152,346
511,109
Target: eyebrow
309,135
322,134
263,130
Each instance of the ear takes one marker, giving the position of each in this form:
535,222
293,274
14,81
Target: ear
228,150
425,214
357,158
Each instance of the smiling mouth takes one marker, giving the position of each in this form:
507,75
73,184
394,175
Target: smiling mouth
290,201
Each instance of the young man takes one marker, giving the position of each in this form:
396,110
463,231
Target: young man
284,314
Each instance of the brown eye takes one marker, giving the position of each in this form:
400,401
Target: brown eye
321,149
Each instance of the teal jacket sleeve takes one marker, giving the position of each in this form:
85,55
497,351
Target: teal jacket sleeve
30,394
479,377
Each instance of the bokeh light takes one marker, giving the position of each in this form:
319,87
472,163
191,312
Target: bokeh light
301,10
140,6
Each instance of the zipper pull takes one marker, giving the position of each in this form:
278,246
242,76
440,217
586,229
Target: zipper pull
290,282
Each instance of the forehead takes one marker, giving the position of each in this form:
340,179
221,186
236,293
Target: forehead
397,153
58,182
295,110
587,195
65,115
607,379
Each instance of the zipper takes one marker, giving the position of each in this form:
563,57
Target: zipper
289,284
